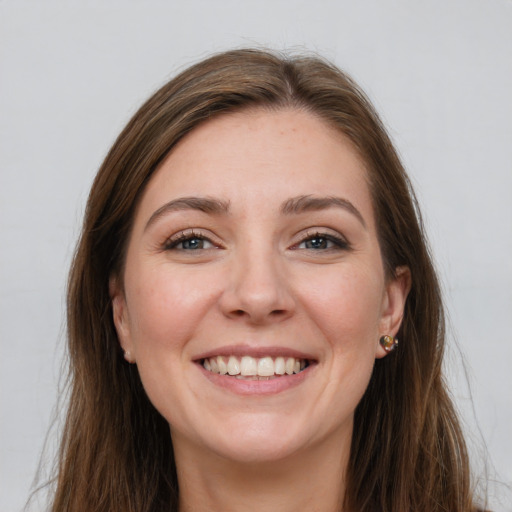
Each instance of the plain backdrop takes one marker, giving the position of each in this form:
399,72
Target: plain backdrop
71,75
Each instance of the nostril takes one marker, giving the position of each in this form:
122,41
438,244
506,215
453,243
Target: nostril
275,312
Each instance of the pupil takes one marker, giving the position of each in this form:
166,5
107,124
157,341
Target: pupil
194,243
317,243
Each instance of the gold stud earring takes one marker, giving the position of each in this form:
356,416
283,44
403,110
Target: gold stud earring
388,343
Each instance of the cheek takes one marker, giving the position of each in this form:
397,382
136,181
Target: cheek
346,305
166,308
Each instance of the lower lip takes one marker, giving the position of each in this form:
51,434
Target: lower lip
257,387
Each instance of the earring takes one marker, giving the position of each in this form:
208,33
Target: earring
388,343
128,356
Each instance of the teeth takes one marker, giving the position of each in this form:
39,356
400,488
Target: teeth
233,366
265,367
290,365
251,368
248,366
223,366
253,377
279,366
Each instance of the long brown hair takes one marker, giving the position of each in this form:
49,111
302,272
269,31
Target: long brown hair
408,451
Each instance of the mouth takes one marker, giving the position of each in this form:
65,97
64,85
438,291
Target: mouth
250,368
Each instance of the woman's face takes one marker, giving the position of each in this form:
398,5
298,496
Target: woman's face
254,292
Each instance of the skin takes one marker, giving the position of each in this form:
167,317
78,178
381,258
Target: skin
261,279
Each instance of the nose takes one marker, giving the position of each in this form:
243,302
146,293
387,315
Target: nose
258,288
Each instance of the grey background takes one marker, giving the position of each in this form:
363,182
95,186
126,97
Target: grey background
72,73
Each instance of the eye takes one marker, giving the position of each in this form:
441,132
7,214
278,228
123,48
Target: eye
188,242
193,244
322,242
317,242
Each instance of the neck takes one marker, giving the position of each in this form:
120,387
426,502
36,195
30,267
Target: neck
312,480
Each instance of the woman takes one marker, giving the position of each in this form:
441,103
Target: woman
251,253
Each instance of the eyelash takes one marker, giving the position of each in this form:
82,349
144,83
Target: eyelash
186,236
339,243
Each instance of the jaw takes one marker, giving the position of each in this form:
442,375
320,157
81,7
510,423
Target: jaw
260,434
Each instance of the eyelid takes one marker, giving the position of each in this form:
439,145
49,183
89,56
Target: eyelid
188,234
335,237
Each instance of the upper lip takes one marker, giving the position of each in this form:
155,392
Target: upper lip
255,351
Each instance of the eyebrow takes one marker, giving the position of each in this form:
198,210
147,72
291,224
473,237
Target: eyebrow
294,205
308,203
203,204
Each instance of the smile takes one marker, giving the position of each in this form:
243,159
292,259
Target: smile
253,368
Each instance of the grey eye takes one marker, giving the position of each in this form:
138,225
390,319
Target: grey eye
323,242
194,243
317,242
189,242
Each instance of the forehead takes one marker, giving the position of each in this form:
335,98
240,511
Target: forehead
259,158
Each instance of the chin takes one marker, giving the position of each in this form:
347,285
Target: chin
268,440
259,451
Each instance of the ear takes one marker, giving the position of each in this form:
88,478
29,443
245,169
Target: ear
121,319
393,304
